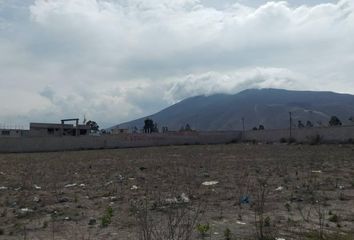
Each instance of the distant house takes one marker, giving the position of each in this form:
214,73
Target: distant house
57,129
13,132
116,131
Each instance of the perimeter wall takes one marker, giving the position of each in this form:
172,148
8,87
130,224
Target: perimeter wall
68,143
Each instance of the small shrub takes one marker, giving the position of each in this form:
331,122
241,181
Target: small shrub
203,229
267,221
334,218
107,217
227,234
315,140
288,207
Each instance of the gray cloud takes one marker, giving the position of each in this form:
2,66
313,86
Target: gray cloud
117,60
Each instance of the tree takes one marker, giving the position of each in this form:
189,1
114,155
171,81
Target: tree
261,127
300,124
351,119
334,121
148,125
187,127
255,129
93,125
309,124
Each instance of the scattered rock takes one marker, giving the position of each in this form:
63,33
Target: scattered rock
279,188
37,187
67,218
36,199
92,221
3,188
184,198
134,187
82,185
210,183
316,171
63,200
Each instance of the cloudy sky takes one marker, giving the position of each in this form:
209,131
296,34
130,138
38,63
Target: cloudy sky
116,60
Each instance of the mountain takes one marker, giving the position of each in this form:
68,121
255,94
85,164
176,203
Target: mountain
269,107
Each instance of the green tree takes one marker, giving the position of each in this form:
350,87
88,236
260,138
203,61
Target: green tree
334,121
148,125
93,125
309,124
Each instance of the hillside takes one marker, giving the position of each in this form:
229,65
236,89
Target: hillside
269,107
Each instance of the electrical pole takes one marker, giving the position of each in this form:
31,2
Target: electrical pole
291,123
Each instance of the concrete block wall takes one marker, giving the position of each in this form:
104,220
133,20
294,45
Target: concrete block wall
327,134
67,143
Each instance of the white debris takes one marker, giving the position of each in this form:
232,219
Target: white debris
279,188
171,200
134,187
131,179
184,198
240,223
82,185
18,189
25,210
279,238
2,173
37,187
216,233
36,199
67,218
341,187
210,183
316,171
3,188
70,185
109,183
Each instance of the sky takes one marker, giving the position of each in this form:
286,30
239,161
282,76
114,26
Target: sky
117,60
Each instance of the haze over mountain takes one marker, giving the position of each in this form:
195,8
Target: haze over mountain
269,107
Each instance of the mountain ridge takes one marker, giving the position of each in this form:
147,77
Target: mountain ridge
269,107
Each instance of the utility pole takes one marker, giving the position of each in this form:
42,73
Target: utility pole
243,128
243,124
291,123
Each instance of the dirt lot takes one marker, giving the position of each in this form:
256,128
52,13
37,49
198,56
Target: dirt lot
255,191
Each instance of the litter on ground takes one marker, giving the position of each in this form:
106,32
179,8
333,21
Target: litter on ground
70,185
210,183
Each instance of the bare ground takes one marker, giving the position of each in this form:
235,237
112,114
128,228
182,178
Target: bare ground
293,192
